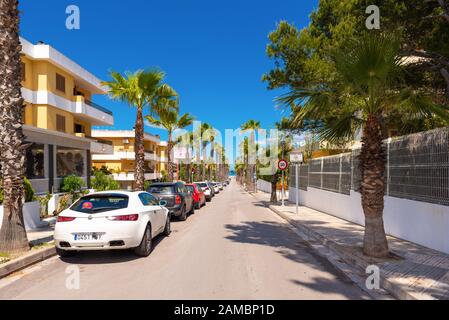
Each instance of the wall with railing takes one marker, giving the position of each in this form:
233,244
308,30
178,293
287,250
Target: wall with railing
417,187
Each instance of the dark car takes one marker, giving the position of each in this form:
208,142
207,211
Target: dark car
179,199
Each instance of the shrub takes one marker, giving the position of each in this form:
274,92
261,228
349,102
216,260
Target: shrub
43,201
28,188
72,184
104,182
63,203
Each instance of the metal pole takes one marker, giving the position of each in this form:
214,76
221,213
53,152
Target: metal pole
282,182
297,188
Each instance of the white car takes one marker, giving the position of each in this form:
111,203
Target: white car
205,188
112,220
216,187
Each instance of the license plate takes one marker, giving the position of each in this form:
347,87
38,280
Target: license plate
87,236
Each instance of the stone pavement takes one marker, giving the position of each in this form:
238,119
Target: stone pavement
413,272
42,235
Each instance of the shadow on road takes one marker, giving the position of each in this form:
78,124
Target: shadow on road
108,257
290,246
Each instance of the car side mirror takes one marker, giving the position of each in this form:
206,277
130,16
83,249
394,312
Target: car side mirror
162,203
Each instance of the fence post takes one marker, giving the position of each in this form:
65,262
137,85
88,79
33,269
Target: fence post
322,167
339,177
388,166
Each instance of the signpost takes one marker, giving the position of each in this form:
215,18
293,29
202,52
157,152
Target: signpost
297,158
282,165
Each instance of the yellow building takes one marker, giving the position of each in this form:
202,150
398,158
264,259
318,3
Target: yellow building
122,161
58,115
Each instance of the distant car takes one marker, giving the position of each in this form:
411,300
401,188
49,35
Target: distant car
212,188
216,187
111,220
199,198
220,186
179,199
207,190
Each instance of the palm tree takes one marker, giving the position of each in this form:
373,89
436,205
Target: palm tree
252,126
167,116
204,128
368,84
140,89
13,237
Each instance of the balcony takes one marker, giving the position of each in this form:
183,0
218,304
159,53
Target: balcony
92,112
101,147
129,176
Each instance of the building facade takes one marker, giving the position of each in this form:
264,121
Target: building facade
121,162
58,116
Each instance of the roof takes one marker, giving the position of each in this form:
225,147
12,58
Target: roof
45,52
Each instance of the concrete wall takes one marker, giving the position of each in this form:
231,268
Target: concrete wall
419,222
263,186
31,215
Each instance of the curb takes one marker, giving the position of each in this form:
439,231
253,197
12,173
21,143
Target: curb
394,289
25,261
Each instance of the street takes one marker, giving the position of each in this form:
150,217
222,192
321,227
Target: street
234,248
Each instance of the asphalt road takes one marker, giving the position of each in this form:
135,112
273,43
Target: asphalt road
234,248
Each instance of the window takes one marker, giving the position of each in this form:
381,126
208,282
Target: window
161,189
35,161
60,83
79,128
69,161
60,123
23,71
101,203
148,200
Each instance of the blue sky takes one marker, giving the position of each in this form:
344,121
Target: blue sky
213,51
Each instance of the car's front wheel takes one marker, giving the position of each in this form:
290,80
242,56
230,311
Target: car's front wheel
145,247
167,229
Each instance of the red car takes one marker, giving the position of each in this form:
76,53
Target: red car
199,197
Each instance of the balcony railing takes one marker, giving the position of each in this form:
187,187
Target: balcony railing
97,106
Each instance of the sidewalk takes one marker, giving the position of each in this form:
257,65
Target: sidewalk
414,271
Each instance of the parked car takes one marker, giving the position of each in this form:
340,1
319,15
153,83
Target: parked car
220,186
111,220
212,188
199,198
207,190
179,199
216,188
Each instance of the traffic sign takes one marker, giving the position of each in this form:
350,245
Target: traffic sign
296,157
282,165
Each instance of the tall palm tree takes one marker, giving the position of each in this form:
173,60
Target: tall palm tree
252,126
204,142
368,84
167,116
13,237
140,89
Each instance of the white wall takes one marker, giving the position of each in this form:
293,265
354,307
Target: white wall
31,215
420,222
263,186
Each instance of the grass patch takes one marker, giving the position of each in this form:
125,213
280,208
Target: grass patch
4,257
43,245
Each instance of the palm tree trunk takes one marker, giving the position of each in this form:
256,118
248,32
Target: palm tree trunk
139,149
274,180
204,162
13,237
372,167
171,165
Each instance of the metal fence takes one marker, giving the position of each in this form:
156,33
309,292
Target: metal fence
417,169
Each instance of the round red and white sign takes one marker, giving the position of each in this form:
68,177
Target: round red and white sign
282,165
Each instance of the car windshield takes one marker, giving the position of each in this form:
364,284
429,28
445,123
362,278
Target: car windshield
190,188
100,203
161,189
203,185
